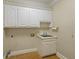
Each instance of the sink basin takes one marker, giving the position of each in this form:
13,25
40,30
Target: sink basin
46,35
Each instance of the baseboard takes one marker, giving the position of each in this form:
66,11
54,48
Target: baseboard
61,56
13,53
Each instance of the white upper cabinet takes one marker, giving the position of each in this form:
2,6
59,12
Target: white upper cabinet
34,17
15,16
38,16
10,16
46,16
28,17
23,16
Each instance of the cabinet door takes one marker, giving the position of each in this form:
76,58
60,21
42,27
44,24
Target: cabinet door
46,16
34,17
48,48
10,16
23,16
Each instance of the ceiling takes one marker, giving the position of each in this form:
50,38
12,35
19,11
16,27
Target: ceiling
38,4
41,1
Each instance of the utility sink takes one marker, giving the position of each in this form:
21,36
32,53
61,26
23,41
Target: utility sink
46,35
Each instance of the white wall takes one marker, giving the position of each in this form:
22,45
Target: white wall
21,39
5,42
64,18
